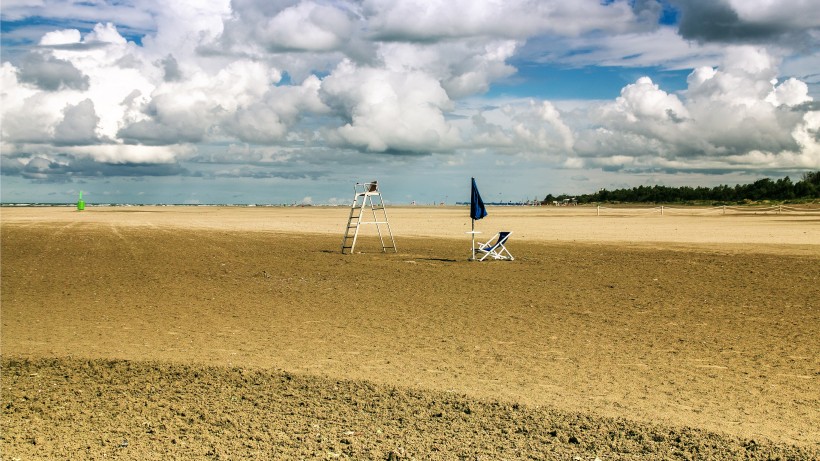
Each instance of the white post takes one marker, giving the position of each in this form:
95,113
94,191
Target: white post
661,210
598,210
472,233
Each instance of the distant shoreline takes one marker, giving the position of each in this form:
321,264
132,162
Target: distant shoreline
638,205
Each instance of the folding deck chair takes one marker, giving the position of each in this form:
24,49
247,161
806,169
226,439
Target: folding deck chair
496,250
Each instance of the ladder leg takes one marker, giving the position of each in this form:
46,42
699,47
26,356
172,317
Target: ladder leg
347,228
358,224
355,214
387,223
376,220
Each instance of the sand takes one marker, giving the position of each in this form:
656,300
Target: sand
190,332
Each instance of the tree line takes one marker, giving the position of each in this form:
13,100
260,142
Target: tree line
808,188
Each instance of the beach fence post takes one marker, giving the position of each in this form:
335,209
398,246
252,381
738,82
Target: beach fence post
597,210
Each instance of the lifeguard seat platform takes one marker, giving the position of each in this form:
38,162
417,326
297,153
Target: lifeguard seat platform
367,195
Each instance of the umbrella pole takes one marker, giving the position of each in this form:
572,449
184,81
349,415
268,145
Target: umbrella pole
472,234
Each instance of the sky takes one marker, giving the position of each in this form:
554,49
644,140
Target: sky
282,101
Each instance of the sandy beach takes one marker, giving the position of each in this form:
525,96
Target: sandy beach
228,333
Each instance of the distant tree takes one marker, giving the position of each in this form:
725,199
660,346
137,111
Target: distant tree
783,189
812,177
763,189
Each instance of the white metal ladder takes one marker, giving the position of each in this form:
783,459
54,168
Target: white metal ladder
364,195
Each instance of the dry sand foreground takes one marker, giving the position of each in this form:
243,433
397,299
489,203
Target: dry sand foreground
227,333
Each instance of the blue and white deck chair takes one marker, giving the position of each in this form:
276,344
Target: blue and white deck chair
496,250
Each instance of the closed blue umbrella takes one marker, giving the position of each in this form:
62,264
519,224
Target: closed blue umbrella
477,210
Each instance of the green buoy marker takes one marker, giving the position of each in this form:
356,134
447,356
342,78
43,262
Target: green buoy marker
80,203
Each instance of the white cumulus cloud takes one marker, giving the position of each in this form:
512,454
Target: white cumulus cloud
324,81
389,111
728,116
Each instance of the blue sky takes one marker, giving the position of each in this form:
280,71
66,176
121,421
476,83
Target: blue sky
294,101
556,82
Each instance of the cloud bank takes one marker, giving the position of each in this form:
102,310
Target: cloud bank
404,78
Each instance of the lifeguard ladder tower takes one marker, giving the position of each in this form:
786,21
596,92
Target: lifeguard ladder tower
367,195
